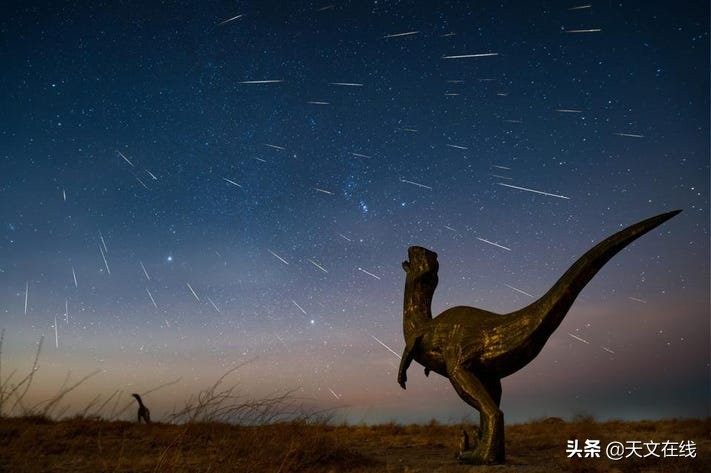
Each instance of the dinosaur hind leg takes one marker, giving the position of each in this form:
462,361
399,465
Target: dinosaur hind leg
493,387
483,397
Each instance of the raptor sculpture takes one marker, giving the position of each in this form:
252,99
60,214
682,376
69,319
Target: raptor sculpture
475,348
143,412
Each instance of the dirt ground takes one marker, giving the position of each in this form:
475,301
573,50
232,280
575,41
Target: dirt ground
83,445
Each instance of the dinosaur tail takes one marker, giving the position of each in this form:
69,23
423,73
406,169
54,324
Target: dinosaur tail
548,311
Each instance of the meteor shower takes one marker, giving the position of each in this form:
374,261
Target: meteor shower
222,193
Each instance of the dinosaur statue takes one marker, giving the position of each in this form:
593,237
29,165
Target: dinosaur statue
143,412
475,348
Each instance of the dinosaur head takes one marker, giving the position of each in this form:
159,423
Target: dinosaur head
422,264
420,284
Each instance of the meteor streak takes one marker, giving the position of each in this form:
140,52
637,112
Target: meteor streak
266,81
579,339
193,291
347,84
362,155
142,183
591,30
278,257
398,35
533,190
56,333
369,273
74,275
280,148
519,290
630,135
323,190
317,265
387,347
415,184
152,300
457,146
464,56
144,270
213,305
231,182
124,158
101,237
493,244
299,307
607,350
105,262
27,293
230,19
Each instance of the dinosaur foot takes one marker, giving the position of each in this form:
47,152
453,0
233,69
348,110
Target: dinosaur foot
478,457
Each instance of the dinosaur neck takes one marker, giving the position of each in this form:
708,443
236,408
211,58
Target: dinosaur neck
546,314
417,306
138,398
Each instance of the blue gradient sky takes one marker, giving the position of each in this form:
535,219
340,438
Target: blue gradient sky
294,249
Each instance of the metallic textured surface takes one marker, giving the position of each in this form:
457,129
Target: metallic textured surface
475,348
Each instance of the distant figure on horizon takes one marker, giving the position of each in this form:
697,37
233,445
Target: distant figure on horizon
143,412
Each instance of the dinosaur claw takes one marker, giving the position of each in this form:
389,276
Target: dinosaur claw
427,372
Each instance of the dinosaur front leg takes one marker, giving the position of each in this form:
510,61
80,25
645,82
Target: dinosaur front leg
405,360
474,392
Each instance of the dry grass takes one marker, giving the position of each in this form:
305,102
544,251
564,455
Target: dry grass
81,445
220,430
36,444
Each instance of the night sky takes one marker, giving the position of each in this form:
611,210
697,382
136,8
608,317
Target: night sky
186,186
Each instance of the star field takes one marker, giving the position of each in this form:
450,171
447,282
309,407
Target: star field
192,185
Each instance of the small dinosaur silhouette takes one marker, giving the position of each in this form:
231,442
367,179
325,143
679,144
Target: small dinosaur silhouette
463,442
143,412
475,348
